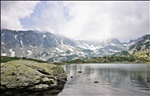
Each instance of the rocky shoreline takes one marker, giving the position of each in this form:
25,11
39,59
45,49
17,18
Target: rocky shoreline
31,76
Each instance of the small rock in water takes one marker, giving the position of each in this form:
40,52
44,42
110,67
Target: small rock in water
96,81
79,71
71,76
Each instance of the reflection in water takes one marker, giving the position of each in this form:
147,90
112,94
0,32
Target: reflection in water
21,93
114,79
49,92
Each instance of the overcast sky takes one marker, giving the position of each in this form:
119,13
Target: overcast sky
81,20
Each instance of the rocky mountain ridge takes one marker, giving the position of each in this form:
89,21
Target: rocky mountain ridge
54,48
142,44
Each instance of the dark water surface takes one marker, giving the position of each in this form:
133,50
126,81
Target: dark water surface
113,80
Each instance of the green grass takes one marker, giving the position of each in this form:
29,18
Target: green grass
111,59
6,59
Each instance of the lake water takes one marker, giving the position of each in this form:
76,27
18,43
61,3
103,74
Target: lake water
113,80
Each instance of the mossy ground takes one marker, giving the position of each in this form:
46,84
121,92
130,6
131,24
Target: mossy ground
23,73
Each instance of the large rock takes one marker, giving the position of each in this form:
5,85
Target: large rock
32,76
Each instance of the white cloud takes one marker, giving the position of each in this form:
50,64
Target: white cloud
88,20
96,20
100,20
51,18
13,11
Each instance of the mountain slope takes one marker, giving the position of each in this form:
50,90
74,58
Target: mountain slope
52,47
139,49
142,44
137,52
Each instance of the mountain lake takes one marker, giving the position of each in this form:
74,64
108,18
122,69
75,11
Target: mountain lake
107,80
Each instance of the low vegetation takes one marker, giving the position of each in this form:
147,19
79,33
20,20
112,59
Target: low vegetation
111,59
6,59
121,57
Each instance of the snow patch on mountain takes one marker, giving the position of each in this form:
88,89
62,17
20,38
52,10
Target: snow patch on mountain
29,52
21,42
3,54
12,53
113,50
62,42
146,41
44,36
59,50
113,44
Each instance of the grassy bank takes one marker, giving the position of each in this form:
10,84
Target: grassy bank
111,59
6,59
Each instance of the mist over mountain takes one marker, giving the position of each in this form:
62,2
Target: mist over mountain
54,48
